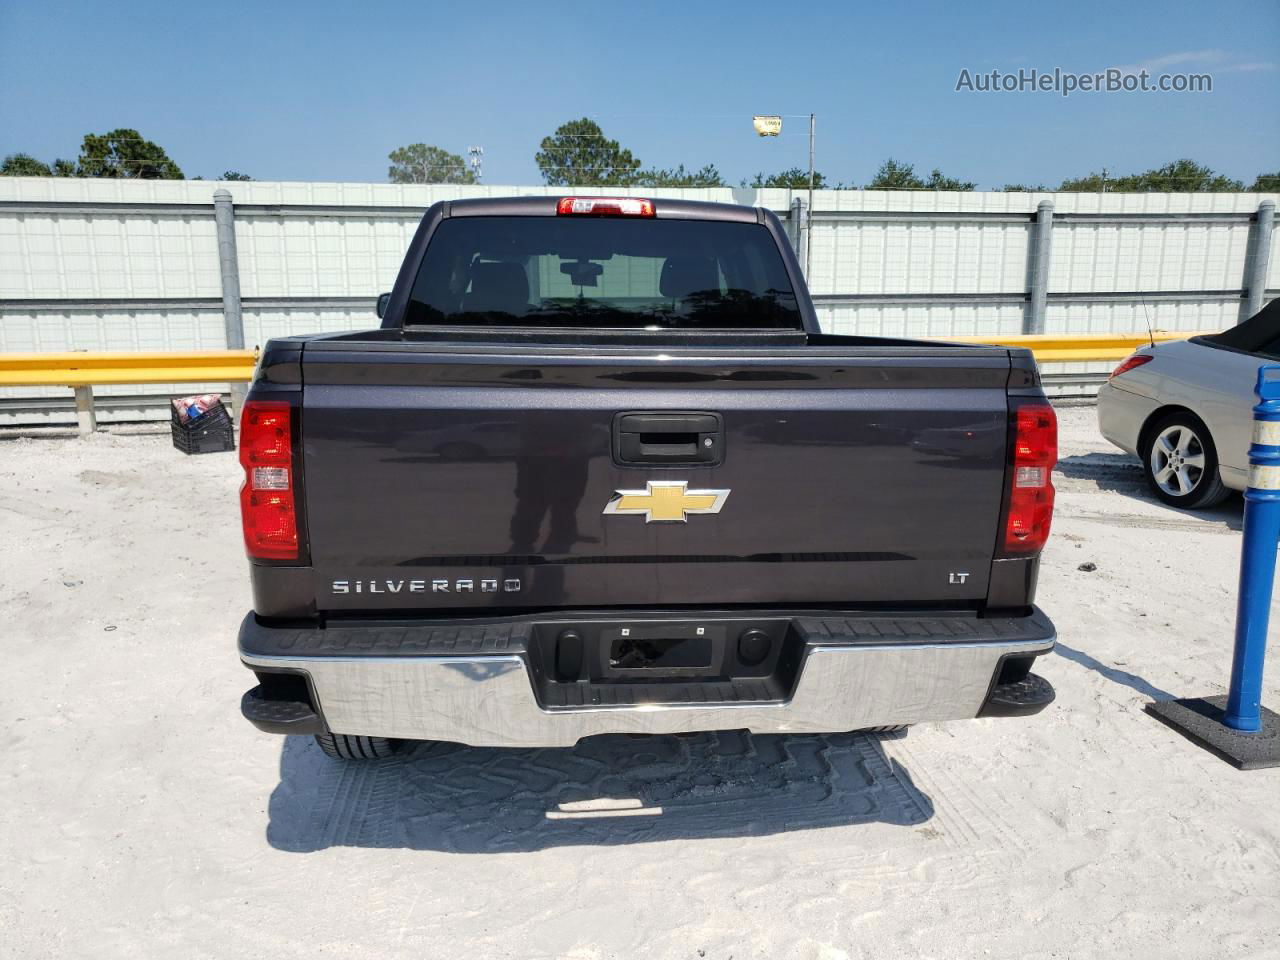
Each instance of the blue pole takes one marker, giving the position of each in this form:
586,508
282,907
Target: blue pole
1257,557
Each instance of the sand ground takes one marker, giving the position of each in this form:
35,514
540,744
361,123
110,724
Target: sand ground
140,816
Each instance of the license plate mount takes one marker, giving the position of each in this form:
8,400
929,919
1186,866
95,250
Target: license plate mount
663,650
657,653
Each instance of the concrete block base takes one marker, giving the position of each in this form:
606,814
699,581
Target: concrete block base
1199,719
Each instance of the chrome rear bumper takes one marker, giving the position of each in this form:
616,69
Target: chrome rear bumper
485,693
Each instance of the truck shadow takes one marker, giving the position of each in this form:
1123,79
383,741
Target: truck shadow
612,789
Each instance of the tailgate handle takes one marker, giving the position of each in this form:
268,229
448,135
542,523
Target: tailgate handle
670,438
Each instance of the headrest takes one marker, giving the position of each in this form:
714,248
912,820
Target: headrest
497,287
682,276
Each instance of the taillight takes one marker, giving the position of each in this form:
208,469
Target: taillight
1130,363
604,207
1035,451
268,509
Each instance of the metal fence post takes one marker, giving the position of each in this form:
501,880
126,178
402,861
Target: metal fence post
800,231
793,224
1041,244
1256,269
1257,558
229,268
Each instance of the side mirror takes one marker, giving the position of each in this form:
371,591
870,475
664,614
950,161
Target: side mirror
383,300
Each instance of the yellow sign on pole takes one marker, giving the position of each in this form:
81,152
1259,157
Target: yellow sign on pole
767,126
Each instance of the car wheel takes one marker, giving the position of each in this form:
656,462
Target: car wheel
1181,462
343,746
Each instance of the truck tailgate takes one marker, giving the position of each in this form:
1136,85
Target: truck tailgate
443,476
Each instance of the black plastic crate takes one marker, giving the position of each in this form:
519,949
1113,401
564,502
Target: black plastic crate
212,432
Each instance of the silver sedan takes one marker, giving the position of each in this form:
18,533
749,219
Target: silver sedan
1184,408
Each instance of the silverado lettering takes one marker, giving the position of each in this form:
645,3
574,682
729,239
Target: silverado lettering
344,587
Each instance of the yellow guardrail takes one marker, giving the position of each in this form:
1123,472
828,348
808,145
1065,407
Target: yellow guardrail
84,371
103,369
1083,348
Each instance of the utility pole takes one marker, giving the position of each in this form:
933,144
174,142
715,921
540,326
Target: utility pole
770,125
477,156
808,240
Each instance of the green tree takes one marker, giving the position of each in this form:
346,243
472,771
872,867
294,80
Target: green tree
937,181
794,178
233,175
423,163
1093,183
24,165
1180,176
1022,188
124,154
707,176
896,175
1266,183
579,154
893,175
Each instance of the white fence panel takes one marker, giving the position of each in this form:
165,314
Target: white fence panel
115,264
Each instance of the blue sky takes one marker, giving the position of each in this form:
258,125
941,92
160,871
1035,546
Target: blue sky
322,90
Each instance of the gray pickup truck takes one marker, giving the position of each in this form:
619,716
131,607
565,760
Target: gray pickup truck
600,471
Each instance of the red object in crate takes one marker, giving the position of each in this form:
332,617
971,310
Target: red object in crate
193,408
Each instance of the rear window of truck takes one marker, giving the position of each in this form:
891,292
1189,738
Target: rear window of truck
602,272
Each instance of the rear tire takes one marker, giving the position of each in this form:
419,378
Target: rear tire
342,746
1180,462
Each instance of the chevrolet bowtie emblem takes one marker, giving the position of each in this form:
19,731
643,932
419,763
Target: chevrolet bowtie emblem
666,501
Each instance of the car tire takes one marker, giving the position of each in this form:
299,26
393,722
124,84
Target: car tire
343,746
1180,462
